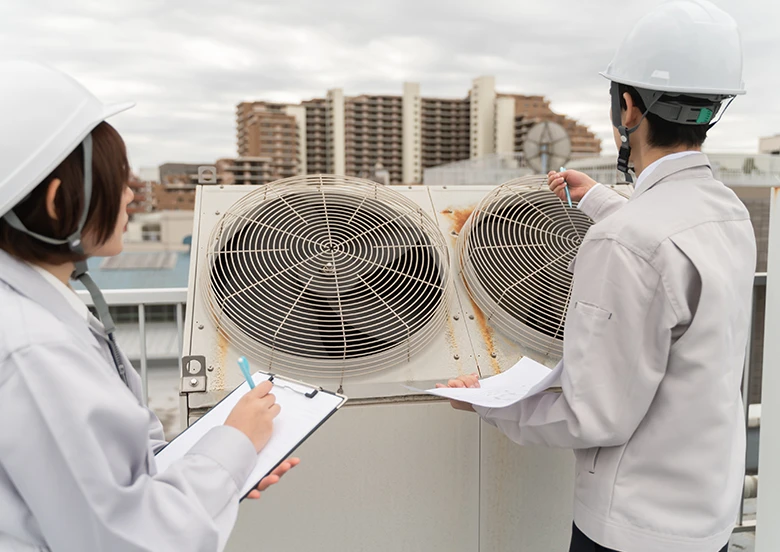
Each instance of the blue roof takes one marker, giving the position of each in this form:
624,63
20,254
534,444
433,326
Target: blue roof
175,277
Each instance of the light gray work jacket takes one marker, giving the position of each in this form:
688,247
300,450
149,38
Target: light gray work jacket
654,345
77,469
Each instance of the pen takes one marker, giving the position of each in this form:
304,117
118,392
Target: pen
243,363
566,188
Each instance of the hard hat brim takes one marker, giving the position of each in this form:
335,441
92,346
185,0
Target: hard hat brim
113,109
676,89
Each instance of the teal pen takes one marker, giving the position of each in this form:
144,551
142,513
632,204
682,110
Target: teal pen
243,363
566,187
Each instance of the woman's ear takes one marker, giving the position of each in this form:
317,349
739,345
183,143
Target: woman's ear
51,195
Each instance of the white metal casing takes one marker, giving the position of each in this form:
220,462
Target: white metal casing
466,345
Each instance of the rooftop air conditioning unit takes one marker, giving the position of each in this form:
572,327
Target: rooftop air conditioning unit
365,288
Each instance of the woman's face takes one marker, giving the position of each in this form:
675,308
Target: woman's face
115,243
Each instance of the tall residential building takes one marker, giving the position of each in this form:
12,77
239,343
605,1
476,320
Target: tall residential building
446,131
245,170
374,136
392,136
530,110
272,131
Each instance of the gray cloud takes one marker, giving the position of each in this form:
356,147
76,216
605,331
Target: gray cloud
187,64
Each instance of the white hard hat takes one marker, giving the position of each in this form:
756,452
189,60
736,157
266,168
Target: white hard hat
45,115
683,46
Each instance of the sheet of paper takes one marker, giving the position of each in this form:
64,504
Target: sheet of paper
299,416
523,380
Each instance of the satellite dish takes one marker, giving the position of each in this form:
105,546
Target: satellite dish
547,147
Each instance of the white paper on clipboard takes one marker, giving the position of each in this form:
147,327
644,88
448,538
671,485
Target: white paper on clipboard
299,417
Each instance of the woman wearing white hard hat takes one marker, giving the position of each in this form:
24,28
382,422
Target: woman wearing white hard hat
77,469
657,327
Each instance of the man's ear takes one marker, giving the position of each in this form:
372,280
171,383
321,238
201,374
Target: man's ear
632,115
51,195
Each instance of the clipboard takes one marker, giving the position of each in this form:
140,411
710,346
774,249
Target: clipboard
303,411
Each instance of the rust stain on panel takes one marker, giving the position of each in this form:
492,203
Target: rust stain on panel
218,376
458,217
487,335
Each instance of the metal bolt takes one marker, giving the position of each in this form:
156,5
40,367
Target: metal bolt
471,317
210,368
194,382
456,357
456,317
200,326
493,354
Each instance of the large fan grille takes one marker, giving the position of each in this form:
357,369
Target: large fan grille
514,253
327,276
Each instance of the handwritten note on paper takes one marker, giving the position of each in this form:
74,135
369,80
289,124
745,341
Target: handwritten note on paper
523,380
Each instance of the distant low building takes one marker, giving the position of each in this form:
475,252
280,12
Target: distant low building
769,145
142,200
160,231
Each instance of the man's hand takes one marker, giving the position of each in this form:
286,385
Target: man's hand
579,184
274,478
470,381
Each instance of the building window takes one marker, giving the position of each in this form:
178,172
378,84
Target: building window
151,232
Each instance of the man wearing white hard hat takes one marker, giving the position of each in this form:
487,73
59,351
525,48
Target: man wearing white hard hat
657,327
77,468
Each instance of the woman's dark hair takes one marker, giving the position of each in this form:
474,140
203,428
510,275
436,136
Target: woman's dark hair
662,133
110,173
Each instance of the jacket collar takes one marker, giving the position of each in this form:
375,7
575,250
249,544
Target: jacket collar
26,281
671,167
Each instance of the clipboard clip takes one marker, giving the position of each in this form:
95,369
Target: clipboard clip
310,395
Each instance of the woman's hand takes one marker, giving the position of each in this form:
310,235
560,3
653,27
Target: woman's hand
254,415
274,478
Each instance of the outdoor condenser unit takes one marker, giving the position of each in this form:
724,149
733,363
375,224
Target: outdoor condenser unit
364,289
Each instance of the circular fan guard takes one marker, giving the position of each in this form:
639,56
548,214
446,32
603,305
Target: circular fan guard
327,276
514,253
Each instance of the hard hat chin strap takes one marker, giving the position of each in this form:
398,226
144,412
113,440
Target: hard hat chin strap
74,241
76,245
625,148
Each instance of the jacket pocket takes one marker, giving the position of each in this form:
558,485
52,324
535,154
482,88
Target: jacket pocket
594,311
593,458
586,460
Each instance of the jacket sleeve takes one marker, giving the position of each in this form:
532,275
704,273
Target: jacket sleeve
600,202
80,457
616,345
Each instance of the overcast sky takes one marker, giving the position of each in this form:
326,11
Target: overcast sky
187,64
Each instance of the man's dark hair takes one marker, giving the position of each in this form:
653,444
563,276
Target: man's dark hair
662,133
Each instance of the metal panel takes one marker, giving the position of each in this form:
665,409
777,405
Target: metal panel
378,478
768,509
525,495
450,354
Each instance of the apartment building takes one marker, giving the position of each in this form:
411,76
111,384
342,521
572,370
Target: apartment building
395,136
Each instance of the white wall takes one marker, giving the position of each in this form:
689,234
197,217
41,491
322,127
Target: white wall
336,112
299,112
505,125
412,133
483,104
